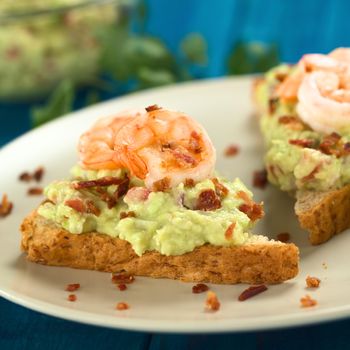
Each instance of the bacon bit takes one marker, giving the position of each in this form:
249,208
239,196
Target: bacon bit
184,158
106,197
122,278
220,189
91,208
35,191
122,287
208,200
72,287
254,211
199,288
311,176
307,301
302,143
273,104
189,183
229,231
38,174
346,148
312,282
26,177
244,195
122,189
101,182
283,237
5,206
291,122
280,76
76,204
231,150
260,178
331,145
122,306
194,142
212,302
251,292
152,108
161,185
127,214
72,297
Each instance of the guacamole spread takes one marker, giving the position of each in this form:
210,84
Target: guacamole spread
172,222
297,157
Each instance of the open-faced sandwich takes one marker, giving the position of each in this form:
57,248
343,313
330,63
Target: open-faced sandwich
144,199
305,120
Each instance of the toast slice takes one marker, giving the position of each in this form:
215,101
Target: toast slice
322,214
259,262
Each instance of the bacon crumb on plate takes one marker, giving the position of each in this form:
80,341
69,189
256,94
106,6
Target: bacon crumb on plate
231,150
122,278
35,191
260,178
307,301
122,287
212,302
25,177
72,287
283,237
38,174
5,206
199,288
122,306
312,282
251,292
72,297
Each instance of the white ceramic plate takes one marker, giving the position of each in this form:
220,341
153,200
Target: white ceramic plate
224,108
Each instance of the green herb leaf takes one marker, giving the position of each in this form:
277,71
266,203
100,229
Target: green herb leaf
194,48
59,103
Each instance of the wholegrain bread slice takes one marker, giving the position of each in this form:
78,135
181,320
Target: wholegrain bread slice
261,262
323,214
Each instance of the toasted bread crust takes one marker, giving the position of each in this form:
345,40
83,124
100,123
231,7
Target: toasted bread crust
323,214
46,243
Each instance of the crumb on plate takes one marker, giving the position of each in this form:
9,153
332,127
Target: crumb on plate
307,301
312,282
122,306
212,302
283,237
199,288
72,287
251,292
5,206
231,150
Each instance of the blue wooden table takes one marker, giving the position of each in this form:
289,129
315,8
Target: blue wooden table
297,26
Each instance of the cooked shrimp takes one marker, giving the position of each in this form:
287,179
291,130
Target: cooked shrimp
96,146
153,146
338,61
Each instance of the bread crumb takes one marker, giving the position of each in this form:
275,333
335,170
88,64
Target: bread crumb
5,206
307,301
312,282
212,302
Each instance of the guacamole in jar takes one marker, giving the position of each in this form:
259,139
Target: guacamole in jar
173,222
40,46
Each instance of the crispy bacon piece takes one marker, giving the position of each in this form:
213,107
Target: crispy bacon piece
250,208
122,287
122,306
199,288
331,144
184,158
189,183
111,201
302,143
231,150
122,278
38,174
152,108
220,189
273,101
35,191
101,182
161,185
25,176
251,292
312,282
291,122
77,204
72,297
5,206
212,302
122,189
208,200
283,237
91,208
311,176
194,143
307,301
260,178
127,214
72,287
229,231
